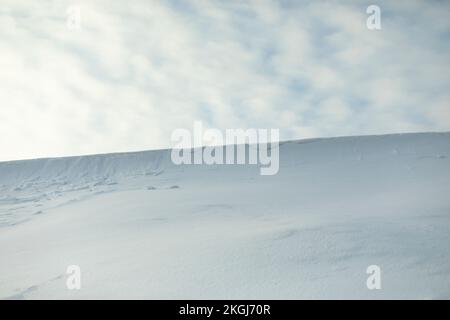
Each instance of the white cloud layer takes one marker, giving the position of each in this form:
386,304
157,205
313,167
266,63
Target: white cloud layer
137,70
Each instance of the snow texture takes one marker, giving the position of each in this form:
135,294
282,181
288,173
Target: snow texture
142,227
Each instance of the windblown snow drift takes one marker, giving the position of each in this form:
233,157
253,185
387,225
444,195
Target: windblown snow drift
141,227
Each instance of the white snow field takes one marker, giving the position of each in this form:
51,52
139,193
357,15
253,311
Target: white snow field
141,227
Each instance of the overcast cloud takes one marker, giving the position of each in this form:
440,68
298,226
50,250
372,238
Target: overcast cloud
137,70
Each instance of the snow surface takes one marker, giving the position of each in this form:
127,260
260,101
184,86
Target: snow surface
141,227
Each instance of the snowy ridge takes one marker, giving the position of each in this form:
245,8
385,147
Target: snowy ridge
120,165
70,169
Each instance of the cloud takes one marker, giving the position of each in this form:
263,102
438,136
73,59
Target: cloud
134,72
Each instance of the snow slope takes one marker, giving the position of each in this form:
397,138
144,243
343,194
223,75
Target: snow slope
141,227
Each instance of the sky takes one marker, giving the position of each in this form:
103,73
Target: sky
123,75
